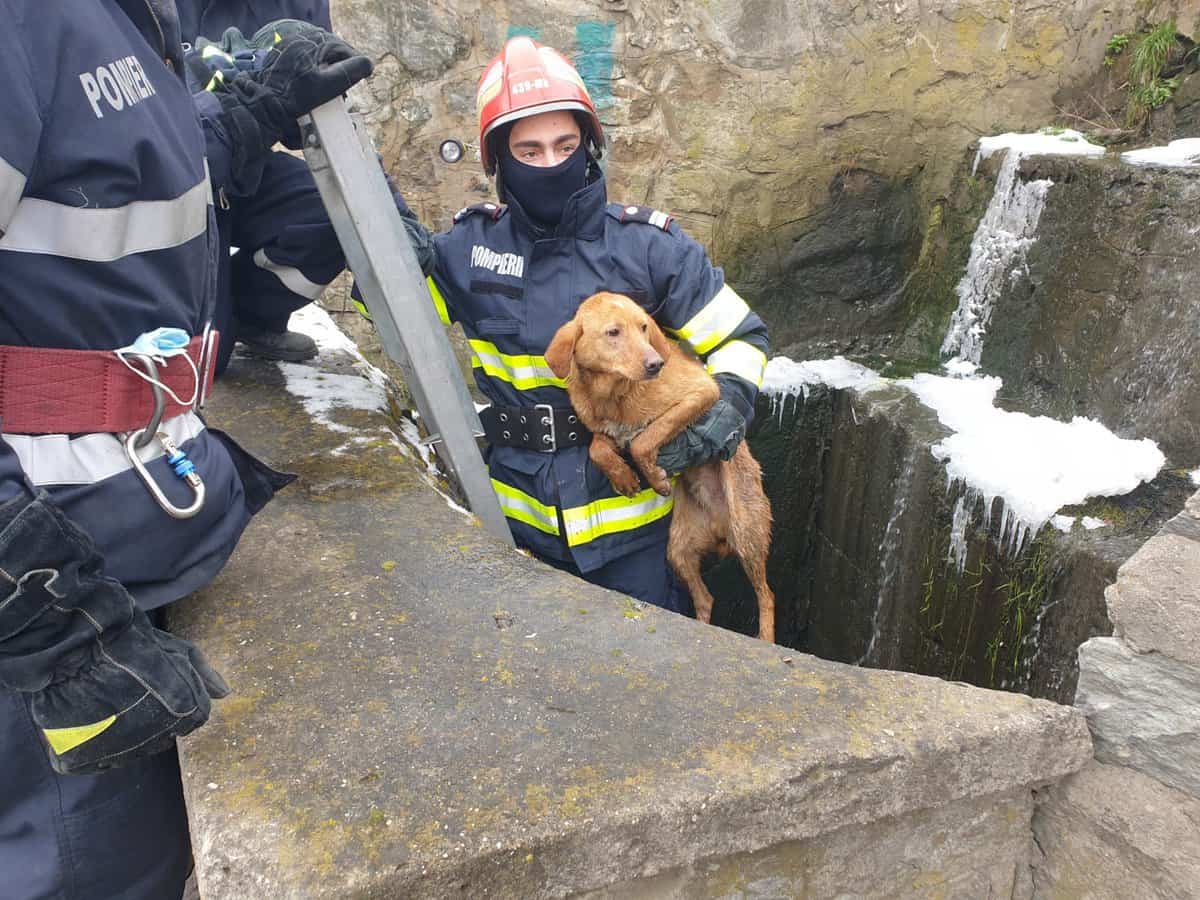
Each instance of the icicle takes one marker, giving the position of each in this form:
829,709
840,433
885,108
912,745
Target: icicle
957,552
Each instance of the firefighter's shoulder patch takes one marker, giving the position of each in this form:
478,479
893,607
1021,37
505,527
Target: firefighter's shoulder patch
492,210
643,215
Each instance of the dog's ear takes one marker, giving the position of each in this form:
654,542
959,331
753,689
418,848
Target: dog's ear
658,340
562,348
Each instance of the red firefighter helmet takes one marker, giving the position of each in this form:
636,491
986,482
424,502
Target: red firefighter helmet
523,80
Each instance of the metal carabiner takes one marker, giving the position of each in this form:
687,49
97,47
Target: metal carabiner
160,403
176,458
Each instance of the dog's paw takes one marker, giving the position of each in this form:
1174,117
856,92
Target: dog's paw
659,481
625,483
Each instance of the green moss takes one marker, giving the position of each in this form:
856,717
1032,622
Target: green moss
929,297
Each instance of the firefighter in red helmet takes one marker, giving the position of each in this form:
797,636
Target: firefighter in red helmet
512,273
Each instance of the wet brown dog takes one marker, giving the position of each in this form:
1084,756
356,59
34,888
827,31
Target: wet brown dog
636,389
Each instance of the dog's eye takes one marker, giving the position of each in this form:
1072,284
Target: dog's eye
644,328
613,331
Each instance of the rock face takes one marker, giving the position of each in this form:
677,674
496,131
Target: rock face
1144,711
810,146
1102,322
1156,608
1129,825
862,562
1112,832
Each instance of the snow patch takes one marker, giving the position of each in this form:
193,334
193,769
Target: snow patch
1063,523
786,377
1035,464
1195,476
323,392
318,325
960,368
1091,523
1181,153
1067,142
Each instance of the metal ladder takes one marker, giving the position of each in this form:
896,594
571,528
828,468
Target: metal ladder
356,196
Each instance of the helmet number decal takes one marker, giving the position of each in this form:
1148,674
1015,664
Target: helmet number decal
536,84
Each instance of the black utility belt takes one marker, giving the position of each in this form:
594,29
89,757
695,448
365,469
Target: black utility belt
543,427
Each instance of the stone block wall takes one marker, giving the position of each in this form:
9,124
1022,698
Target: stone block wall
1128,825
810,146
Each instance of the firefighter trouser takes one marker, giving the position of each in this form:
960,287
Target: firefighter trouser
643,574
83,837
287,251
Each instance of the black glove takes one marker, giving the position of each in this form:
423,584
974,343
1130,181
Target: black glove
102,684
305,66
715,435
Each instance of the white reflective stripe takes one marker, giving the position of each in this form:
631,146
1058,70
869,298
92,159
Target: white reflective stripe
716,321
523,371
51,459
12,185
208,179
738,358
102,235
293,279
660,219
518,505
614,514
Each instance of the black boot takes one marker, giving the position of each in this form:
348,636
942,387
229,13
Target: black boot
290,346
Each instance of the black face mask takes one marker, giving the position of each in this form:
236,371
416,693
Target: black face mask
543,191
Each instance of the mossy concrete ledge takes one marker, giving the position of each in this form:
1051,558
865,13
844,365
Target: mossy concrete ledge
418,712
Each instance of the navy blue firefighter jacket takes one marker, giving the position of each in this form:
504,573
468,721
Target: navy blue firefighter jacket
512,286
107,231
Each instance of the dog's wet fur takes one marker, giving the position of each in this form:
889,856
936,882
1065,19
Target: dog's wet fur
636,389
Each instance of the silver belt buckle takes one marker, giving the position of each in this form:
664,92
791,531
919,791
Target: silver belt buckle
549,439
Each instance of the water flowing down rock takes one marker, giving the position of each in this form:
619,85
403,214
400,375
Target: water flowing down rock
1008,229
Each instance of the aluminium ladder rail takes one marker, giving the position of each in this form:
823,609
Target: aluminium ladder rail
372,235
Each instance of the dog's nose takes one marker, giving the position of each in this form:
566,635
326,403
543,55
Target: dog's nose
653,366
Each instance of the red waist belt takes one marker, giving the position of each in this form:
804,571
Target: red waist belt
46,391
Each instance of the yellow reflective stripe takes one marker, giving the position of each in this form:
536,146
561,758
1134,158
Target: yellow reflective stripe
63,739
213,50
715,322
362,309
215,82
488,93
439,301
614,514
524,508
522,371
738,358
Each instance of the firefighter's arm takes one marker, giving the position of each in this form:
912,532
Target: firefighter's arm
245,115
100,682
103,686
708,316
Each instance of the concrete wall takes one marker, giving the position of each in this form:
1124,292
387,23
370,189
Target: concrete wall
1128,825
418,712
